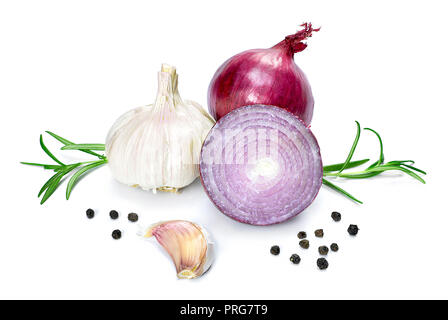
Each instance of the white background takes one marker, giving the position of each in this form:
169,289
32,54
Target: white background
74,66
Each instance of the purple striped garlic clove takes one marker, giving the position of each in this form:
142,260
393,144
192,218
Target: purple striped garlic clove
188,245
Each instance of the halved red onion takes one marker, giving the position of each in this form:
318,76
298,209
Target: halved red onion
261,165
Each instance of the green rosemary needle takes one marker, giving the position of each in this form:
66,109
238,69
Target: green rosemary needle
61,170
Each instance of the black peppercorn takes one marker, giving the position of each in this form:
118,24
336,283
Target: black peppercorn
305,244
322,263
133,217
301,235
319,233
353,230
275,250
334,247
295,258
336,216
90,213
113,214
323,250
116,234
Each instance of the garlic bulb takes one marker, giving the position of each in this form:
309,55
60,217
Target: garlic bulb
158,146
188,245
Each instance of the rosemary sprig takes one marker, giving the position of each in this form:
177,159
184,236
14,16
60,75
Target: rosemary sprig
61,170
376,168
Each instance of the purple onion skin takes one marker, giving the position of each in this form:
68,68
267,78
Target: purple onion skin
264,76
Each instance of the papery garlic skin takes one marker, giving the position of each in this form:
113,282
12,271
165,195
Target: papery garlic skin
188,244
158,146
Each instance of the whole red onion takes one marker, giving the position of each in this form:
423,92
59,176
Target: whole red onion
264,76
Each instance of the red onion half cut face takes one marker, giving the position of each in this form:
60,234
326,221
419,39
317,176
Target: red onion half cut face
261,165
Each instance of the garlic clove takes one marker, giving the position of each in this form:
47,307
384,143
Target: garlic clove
188,245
